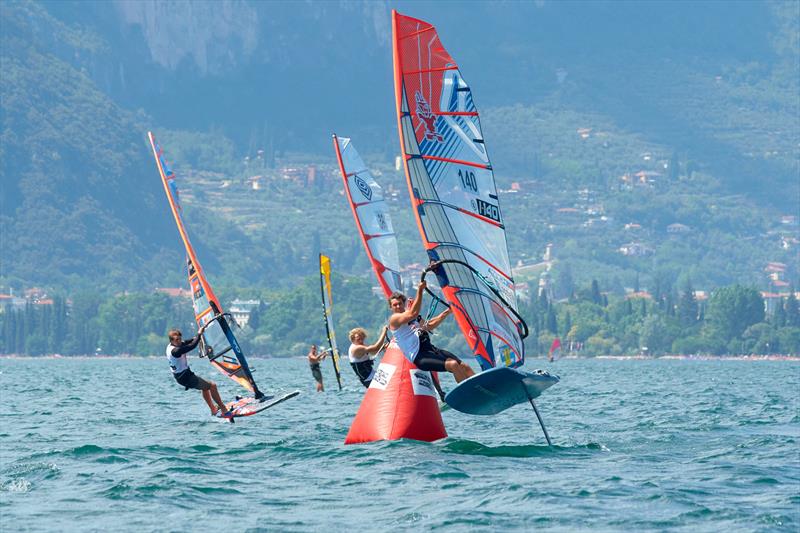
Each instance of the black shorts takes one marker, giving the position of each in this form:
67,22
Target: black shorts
317,373
190,380
432,358
364,370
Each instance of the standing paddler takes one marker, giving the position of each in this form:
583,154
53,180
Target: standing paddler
314,359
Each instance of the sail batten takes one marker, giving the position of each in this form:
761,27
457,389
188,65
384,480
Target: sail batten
452,188
218,340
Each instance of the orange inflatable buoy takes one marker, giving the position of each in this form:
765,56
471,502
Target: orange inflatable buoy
400,403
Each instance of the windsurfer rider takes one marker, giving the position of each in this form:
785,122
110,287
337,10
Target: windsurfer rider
176,353
414,341
360,354
314,359
424,327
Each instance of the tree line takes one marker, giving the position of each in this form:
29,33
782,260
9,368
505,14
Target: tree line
592,322
732,321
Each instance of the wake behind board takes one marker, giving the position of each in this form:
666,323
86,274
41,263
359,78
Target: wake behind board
497,389
250,406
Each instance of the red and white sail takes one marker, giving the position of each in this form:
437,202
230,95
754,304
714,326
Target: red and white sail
218,342
453,192
555,350
371,215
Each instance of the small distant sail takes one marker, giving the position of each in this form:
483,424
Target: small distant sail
218,342
555,350
327,310
371,215
453,193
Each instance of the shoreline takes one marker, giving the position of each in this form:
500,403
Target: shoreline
770,357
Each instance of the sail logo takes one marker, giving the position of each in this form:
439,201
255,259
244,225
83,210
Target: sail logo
488,210
427,117
364,187
505,351
381,219
197,288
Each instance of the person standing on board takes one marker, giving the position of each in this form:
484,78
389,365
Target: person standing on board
414,340
176,353
314,359
360,354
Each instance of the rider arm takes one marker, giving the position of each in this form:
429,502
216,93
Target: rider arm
186,346
375,348
434,322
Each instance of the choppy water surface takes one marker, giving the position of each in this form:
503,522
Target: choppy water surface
639,445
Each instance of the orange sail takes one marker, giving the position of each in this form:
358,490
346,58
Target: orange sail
218,343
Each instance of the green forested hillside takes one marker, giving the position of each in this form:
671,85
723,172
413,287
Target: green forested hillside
78,205
668,128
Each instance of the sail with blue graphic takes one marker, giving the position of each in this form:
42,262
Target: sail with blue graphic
454,195
371,215
218,343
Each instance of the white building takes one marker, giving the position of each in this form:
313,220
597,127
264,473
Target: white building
240,310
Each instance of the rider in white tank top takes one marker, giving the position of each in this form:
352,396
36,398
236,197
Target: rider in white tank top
177,364
407,339
354,358
407,332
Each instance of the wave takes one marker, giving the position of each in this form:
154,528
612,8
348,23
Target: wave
470,447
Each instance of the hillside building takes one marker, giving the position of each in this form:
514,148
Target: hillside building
636,249
241,310
174,292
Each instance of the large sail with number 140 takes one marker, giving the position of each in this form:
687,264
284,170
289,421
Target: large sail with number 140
453,193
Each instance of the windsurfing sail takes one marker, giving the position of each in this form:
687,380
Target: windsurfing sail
555,350
453,193
327,310
218,342
371,215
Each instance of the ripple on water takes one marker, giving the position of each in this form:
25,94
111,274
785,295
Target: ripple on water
632,453
469,447
22,476
449,475
16,485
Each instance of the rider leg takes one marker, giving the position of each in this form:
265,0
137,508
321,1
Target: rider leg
460,370
214,392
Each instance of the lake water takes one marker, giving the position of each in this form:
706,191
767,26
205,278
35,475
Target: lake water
115,444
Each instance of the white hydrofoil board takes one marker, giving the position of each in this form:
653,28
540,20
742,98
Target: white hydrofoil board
250,406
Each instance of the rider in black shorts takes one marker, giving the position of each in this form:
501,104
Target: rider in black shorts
314,359
176,352
414,341
361,355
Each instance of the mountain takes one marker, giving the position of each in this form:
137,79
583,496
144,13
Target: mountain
75,206
717,81
708,89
